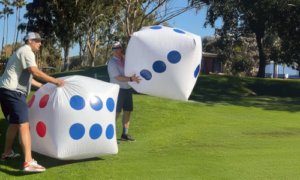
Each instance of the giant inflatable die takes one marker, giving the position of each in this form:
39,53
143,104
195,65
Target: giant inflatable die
76,121
167,59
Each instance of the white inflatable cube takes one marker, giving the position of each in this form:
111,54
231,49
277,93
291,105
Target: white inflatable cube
76,121
167,59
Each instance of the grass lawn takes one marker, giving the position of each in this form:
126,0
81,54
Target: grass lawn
233,128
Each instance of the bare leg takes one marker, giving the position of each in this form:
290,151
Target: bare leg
25,141
126,119
10,136
117,115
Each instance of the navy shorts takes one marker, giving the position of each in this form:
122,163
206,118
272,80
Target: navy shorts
14,104
125,100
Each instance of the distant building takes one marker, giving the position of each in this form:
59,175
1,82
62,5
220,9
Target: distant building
210,63
274,70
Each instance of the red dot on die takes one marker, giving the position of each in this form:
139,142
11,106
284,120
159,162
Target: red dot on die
41,129
31,101
44,101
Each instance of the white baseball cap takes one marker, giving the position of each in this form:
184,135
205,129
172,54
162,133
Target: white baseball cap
117,43
33,35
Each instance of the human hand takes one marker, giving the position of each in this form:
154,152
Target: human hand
136,78
60,83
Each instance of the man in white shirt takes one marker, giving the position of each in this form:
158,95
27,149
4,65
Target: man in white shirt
15,85
116,73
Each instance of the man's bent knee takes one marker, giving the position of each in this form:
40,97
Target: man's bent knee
127,113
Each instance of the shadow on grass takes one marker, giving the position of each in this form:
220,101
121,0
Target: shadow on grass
263,93
14,167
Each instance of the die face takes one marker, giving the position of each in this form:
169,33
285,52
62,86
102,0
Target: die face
79,119
167,59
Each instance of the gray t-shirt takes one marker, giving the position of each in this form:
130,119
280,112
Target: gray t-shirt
16,76
116,68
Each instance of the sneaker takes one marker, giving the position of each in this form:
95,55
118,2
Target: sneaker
33,166
118,143
12,155
127,137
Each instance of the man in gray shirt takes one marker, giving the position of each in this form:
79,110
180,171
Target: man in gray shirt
116,73
15,86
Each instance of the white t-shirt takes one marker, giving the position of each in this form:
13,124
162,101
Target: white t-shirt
116,68
16,76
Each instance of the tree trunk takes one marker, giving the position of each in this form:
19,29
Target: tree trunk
87,43
41,56
92,61
6,39
85,55
262,55
2,47
18,26
93,51
67,60
80,48
21,38
14,42
107,48
106,54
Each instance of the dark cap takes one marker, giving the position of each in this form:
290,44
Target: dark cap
34,35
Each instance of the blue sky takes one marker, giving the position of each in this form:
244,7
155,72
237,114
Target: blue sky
188,21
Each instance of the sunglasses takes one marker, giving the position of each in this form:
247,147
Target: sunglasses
117,48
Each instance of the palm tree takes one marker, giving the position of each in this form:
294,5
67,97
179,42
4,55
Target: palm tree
22,27
1,16
5,3
2,47
8,12
15,4
19,4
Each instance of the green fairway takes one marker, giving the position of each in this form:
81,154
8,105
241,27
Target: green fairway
233,128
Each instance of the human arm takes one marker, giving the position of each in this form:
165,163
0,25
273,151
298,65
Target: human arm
28,62
36,84
127,79
114,72
44,77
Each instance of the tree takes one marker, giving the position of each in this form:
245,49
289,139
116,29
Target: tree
137,11
232,50
1,16
15,4
18,4
57,20
256,16
289,33
5,3
22,27
96,19
8,12
9,48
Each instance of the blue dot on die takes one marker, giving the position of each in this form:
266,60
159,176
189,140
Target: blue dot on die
95,131
96,103
110,131
159,66
156,27
197,71
110,104
76,131
146,74
77,102
179,31
174,57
